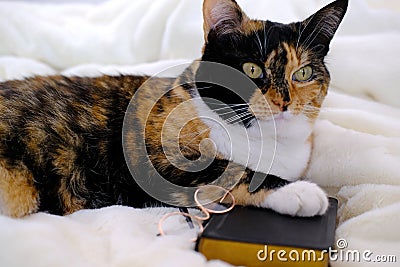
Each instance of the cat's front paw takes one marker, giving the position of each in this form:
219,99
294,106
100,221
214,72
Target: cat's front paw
300,198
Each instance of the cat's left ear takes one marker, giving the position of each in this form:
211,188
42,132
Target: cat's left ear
317,31
222,16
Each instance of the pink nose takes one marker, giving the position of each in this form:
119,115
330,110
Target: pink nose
283,105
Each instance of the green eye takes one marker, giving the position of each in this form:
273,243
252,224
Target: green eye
252,70
303,74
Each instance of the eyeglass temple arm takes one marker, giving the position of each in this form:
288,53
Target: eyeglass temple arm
188,219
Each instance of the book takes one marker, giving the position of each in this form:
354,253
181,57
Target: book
249,236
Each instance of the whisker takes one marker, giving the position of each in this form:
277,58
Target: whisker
266,37
251,122
242,119
315,36
301,32
310,110
223,104
233,111
238,117
260,47
204,87
307,42
230,107
218,109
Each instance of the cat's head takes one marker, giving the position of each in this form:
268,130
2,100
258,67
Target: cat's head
285,61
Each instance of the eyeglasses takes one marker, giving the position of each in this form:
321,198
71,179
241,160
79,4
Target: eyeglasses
210,199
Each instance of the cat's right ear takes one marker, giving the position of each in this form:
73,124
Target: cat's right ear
222,16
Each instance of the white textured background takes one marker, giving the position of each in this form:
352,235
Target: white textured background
356,152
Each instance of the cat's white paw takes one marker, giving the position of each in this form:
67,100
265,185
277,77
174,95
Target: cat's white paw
300,198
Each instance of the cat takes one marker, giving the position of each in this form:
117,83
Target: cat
64,145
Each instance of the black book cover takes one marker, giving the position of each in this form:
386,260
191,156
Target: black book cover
251,236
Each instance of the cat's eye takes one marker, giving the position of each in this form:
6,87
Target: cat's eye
304,74
252,70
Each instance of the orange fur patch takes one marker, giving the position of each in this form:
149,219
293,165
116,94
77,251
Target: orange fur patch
244,198
18,195
251,26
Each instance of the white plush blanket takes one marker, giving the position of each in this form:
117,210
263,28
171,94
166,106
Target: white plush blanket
356,154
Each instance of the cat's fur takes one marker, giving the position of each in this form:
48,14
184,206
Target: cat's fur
61,138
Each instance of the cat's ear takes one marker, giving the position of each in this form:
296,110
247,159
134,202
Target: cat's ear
317,31
223,16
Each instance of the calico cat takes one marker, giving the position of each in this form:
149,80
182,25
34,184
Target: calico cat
64,146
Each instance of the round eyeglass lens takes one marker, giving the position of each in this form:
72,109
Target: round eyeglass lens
214,199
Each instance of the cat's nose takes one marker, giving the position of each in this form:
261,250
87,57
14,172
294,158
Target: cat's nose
282,104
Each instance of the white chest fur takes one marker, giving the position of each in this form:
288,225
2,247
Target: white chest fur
277,147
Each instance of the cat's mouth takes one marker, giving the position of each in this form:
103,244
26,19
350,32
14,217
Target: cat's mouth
277,118
282,116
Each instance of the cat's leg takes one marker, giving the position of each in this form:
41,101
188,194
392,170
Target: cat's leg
18,195
299,198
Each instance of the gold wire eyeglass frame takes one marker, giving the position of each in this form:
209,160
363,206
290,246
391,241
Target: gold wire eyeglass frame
190,218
